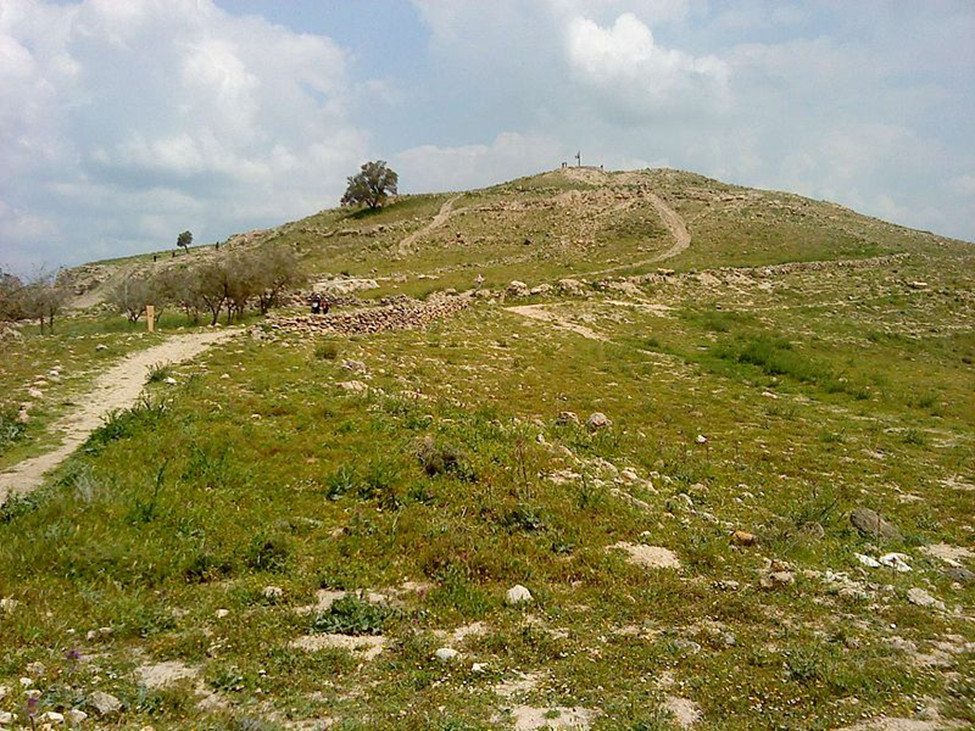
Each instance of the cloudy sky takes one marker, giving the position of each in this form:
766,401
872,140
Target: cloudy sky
124,122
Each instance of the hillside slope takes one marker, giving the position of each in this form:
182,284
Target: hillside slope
709,465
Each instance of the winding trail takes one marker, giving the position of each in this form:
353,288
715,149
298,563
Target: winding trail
117,388
673,222
443,215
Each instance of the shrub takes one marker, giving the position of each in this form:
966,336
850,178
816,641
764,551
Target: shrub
352,615
444,459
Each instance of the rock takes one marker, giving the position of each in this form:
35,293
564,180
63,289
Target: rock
960,574
4,691
649,557
353,386
921,598
221,613
356,366
272,593
169,381
35,393
479,667
518,594
52,717
76,717
629,475
541,289
572,287
701,439
777,579
567,417
868,561
896,561
36,669
871,525
744,538
446,654
104,704
598,420
517,288
6,718
8,605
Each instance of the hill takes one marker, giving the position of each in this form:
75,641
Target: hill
582,450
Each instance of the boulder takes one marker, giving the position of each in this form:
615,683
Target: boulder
518,594
871,525
598,420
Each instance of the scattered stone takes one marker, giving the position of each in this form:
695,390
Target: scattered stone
356,366
479,667
273,593
4,691
896,561
26,682
571,287
517,288
169,381
871,525
353,386
650,557
701,439
36,669
598,420
726,585
52,717
6,718
104,704
960,574
744,538
568,417
518,594
777,579
76,717
868,561
951,555
446,654
35,393
921,598
221,613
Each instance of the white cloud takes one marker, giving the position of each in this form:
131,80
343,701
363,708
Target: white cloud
629,70
510,155
161,115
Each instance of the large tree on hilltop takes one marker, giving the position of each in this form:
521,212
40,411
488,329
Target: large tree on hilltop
371,186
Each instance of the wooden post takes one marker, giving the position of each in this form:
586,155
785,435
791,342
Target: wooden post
151,318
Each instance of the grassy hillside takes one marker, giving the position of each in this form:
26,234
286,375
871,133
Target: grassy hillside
287,536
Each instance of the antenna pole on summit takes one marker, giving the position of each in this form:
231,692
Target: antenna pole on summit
579,159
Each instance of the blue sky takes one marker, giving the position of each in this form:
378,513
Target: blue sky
124,123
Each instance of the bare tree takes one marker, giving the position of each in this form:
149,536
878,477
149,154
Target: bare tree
41,299
130,297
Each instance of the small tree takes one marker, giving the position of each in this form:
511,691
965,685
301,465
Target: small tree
130,297
41,299
371,186
184,240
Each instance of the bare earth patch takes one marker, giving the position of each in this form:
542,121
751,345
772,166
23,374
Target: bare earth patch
366,648
528,718
159,675
685,711
649,557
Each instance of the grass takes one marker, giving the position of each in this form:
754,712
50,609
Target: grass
454,478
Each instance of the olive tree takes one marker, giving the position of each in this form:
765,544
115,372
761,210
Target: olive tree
371,185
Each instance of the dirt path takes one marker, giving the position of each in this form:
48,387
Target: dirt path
446,210
674,224
117,388
538,312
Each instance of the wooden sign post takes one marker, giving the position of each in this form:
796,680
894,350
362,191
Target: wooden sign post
151,318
